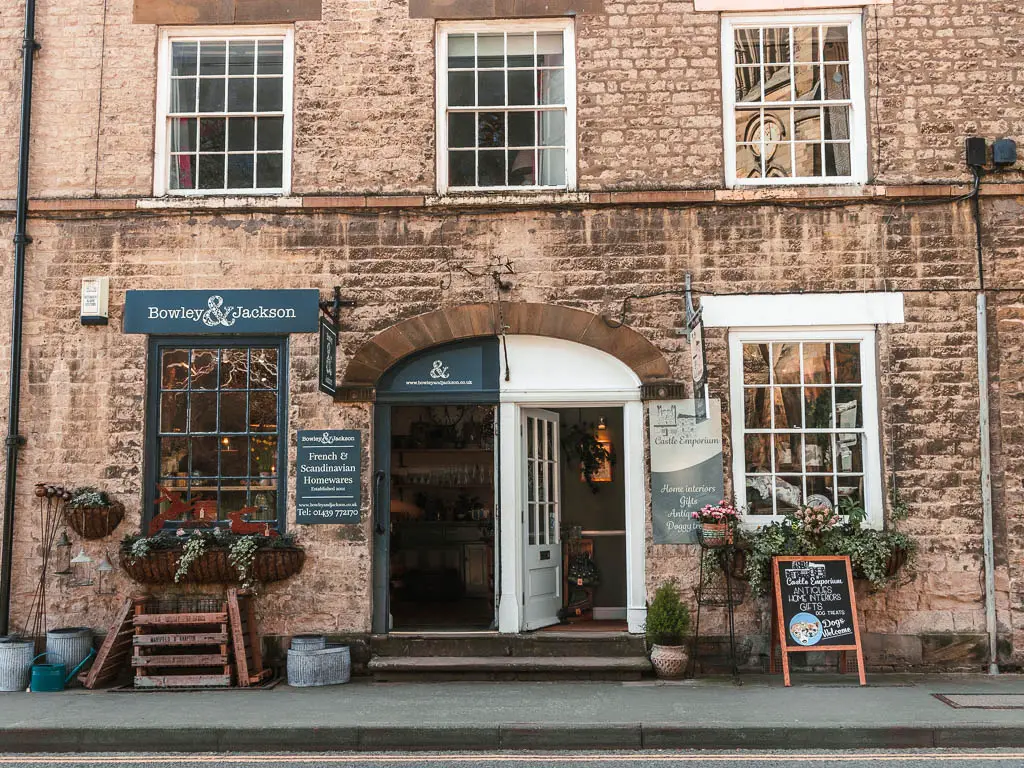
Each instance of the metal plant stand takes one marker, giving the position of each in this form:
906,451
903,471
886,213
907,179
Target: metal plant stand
727,596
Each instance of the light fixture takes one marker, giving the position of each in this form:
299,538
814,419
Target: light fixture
81,570
603,474
62,555
105,577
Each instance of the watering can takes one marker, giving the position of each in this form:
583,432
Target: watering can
50,678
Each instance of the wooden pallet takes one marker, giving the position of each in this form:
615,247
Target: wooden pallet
114,651
246,641
196,641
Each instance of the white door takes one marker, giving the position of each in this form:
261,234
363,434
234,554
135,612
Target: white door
542,552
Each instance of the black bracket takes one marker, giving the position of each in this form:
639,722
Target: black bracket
333,308
22,239
16,440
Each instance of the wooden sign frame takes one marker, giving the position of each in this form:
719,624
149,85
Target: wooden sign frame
779,637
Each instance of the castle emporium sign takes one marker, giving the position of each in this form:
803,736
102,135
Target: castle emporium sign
222,312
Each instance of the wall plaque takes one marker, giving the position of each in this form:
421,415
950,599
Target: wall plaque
686,467
328,473
215,311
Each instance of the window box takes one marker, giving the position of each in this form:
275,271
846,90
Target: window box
794,99
224,111
271,562
506,106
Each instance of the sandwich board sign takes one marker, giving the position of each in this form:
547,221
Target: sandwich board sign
815,609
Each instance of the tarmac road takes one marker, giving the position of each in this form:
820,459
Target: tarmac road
872,759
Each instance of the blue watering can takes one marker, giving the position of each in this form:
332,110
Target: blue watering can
51,678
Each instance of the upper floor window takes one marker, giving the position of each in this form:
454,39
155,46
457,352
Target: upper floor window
225,117
794,99
506,116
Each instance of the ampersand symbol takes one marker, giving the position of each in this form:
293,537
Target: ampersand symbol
215,315
438,371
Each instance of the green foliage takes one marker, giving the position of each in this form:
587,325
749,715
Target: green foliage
876,556
89,497
580,445
668,618
241,554
136,546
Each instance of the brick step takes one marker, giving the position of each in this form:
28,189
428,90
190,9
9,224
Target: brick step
445,668
547,644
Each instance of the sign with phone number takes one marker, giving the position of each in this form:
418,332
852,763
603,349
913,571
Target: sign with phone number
327,486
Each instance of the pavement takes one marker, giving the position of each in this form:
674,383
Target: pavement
818,712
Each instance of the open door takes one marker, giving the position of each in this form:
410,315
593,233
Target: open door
542,552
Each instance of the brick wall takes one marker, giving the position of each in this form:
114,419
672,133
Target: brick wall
84,397
649,95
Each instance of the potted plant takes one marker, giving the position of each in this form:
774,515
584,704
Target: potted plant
92,514
717,523
580,444
668,623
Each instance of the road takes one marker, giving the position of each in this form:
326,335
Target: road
872,759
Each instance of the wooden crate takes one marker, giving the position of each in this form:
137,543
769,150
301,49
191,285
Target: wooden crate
246,641
181,650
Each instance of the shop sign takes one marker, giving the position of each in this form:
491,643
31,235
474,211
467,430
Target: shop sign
815,607
328,356
457,369
222,311
328,473
686,467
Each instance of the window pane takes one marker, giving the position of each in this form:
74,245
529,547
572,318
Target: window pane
847,363
808,159
805,44
270,171
748,161
492,168
492,88
240,94
183,175
748,84
212,134
788,454
552,167
748,46
184,58
849,447
263,371
174,458
233,368
818,407
758,453
266,502
759,495
789,493
807,124
203,416
204,369
183,135
263,411
786,364
461,129
461,53
852,488
788,403
755,364
233,412
462,169
204,458
776,44
818,453
551,86
270,95
211,95
836,46
240,171
817,363
820,492
271,57
837,159
491,129
183,96
520,50
175,369
807,82
270,133
242,57
837,81
174,412
264,456
490,51
522,167
234,457
520,87
778,161
461,89
552,128
849,407
778,84
212,57
241,134
211,171
757,408
550,50
837,123
521,131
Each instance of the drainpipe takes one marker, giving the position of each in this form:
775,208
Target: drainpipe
21,240
986,449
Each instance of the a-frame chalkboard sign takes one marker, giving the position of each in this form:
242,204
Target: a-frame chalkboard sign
815,609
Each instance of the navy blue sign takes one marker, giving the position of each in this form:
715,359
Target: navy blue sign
328,356
216,311
467,366
327,486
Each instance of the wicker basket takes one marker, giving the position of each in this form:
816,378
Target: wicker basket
214,566
328,666
94,522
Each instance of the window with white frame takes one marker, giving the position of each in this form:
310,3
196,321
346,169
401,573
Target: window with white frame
794,99
805,423
224,112
506,106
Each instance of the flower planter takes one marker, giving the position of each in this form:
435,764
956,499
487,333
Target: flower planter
94,522
716,534
670,661
214,566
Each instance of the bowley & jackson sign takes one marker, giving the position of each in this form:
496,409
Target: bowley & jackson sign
215,311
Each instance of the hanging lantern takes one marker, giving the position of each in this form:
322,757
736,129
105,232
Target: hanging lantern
105,577
603,474
62,555
81,570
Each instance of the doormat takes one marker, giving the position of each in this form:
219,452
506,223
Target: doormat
982,700
265,686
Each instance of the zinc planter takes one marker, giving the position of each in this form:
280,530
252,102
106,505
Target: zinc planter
670,661
15,663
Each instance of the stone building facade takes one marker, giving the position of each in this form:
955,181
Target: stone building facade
647,197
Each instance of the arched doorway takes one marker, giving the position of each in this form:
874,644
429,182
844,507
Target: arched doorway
539,394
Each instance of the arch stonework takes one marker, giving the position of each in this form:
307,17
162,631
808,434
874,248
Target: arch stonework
473,320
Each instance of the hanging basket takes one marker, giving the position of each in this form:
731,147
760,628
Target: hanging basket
715,534
94,522
214,566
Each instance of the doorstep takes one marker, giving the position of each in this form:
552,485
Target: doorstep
437,668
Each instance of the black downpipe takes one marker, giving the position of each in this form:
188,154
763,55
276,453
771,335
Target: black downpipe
21,240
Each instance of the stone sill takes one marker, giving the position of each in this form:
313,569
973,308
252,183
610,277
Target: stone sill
511,201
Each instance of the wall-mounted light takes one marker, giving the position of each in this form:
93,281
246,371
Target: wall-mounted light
604,471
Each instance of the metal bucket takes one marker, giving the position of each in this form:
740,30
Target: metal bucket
68,646
328,666
309,642
15,663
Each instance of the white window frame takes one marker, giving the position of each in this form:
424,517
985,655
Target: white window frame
162,164
858,109
568,30
865,335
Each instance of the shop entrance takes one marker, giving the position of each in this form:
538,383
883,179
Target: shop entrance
441,573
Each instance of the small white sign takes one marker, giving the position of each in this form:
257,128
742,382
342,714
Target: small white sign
95,298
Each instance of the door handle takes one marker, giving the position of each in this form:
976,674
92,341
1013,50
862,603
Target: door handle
378,478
